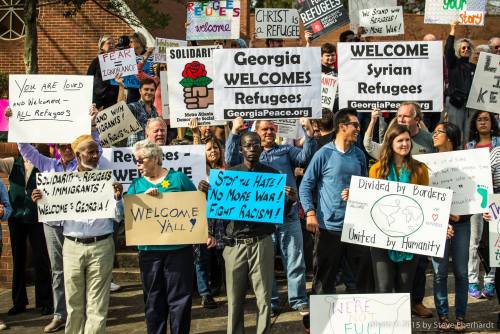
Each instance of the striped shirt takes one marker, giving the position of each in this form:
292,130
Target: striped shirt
495,168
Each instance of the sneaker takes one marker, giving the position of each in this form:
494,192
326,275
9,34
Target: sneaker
114,287
474,291
54,326
421,311
488,290
208,302
3,325
303,309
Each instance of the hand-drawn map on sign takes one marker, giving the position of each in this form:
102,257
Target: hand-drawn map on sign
161,46
385,21
116,123
494,230
118,62
383,313
277,23
467,173
356,5
485,90
49,108
467,12
213,20
399,216
172,218
322,16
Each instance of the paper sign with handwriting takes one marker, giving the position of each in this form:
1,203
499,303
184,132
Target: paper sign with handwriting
288,128
117,62
277,23
383,313
485,90
213,20
189,159
59,103
467,12
172,218
467,173
494,230
398,216
329,84
116,123
382,21
76,195
161,46
246,196
356,5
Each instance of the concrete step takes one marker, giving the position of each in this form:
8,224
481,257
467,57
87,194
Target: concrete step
126,275
126,259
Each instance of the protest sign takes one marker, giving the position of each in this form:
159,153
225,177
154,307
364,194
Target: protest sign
118,62
383,75
494,230
246,196
4,121
76,195
59,103
189,159
288,128
398,216
213,20
269,83
161,46
190,92
383,313
467,173
129,81
172,218
356,5
116,123
277,23
322,16
446,11
485,90
164,95
382,21
329,85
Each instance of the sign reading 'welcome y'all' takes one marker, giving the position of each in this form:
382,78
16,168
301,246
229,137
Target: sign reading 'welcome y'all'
485,90
494,230
116,123
213,20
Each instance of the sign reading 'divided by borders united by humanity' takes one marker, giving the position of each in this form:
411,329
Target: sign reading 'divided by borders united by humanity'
322,16
382,21
494,230
173,218
190,85
383,75
270,83
76,195
117,62
189,159
277,23
246,196
161,46
329,84
467,173
382,313
467,12
213,20
49,108
116,123
288,128
485,91
398,216
356,5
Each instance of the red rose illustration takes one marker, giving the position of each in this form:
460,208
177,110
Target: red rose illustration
194,70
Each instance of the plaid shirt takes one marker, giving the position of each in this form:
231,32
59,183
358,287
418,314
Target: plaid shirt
138,109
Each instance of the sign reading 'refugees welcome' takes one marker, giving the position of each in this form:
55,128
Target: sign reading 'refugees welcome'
382,75
267,83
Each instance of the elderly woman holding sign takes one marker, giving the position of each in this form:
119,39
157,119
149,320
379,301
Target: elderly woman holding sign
166,271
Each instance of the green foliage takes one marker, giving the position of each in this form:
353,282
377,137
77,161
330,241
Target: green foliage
187,82
202,82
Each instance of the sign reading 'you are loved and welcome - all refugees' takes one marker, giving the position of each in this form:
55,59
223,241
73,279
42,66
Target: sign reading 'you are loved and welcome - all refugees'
382,75
213,20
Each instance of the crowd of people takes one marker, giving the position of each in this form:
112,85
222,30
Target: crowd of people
74,258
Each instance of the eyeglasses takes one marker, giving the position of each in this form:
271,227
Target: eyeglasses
436,132
355,124
466,48
140,161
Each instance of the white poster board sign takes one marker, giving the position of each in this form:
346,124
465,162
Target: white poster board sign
467,173
213,20
268,83
76,195
485,90
189,159
329,84
494,230
467,12
383,313
397,216
161,46
382,21
277,23
116,123
356,5
164,95
385,74
288,128
118,62
59,103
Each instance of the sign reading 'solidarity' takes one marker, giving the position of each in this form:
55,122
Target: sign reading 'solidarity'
272,83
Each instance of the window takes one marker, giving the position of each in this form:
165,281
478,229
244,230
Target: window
11,19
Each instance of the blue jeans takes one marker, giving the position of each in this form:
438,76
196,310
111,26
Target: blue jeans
288,239
201,263
460,254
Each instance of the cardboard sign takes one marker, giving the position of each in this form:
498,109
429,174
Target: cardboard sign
246,196
190,85
322,16
116,123
384,313
277,23
485,90
213,20
288,128
164,95
173,218
329,85
49,108
269,83
382,21
161,46
118,62
383,75
467,12
76,195
4,121
356,5
467,173
399,216
494,229
189,159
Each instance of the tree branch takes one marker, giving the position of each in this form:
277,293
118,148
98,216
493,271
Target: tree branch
127,20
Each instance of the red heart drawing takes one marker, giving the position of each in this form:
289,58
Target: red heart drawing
435,216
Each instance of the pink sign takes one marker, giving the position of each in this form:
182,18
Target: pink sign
4,122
